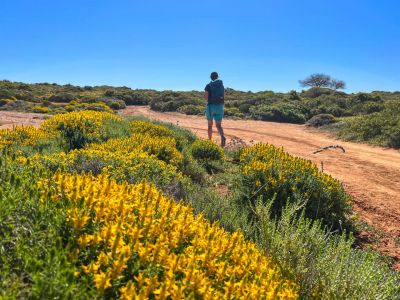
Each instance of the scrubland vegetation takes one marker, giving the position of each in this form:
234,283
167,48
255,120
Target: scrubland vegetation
93,205
371,117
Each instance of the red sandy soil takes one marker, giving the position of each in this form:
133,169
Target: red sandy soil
8,119
371,175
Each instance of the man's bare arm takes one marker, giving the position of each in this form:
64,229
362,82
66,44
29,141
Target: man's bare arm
206,95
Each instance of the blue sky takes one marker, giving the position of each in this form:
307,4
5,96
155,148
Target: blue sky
254,45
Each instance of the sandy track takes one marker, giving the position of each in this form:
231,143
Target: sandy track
8,119
370,174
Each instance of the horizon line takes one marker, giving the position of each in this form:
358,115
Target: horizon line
193,90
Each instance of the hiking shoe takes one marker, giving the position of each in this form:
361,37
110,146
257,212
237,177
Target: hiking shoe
223,141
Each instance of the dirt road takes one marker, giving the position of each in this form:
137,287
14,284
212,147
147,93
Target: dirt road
370,174
8,119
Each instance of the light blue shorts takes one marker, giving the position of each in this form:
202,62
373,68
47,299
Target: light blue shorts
214,111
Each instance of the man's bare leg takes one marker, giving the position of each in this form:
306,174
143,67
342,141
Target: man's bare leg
221,133
210,126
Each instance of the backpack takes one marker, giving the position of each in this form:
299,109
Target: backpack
216,92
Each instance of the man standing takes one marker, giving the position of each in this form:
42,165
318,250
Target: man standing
215,95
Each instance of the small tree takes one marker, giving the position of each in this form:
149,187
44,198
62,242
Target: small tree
316,80
338,84
320,80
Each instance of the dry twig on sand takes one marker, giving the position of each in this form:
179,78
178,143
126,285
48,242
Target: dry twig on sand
329,147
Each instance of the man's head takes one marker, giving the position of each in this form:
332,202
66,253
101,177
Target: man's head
214,76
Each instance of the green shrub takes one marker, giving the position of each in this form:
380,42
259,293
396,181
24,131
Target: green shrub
148,127
363,97
233,112
191,109
279,112
245,108
321,120
325,264
371,107
77,105
379,128
394,139
34,259
293,95
206,150
365,108
46,103
184,138
61,97
3,102
40,109
84,127
269,172
316,92
114,103
17,105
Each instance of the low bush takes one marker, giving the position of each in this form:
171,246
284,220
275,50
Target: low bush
131,240
245,108
120,166
3,102
183,137
17,105
321,120
191,109
316,92
163,148
394,139
206,150
25,141
289,113
269,172
363,97
152,129
77,105
40,109
325,263
379,128
81,128
233,112
114,104
61,97
34,252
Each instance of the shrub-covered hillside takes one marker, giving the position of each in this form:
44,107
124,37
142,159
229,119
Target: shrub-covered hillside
313,105
96,206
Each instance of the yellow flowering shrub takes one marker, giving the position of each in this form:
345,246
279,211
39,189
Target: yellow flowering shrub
82,127
90,121
130,166
160,146
151,129
77,105
183,138
40,109
206,150
134,243
269,171
22,136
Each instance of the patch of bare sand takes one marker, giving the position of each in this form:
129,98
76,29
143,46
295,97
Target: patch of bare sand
8,119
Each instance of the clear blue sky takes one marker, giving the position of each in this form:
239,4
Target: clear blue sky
254,45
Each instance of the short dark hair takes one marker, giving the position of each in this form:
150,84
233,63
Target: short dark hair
214,75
